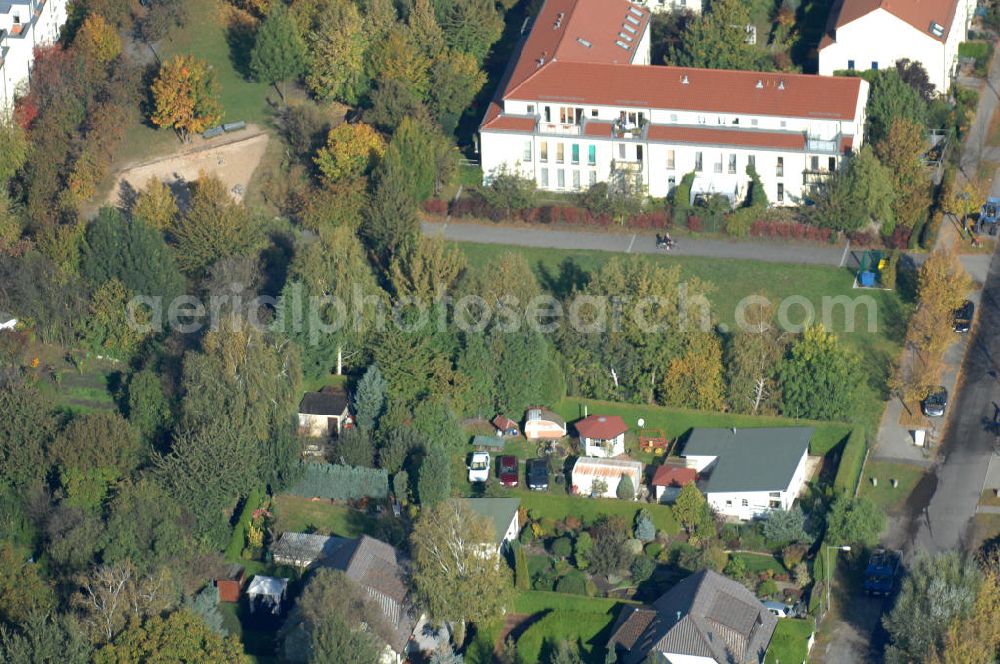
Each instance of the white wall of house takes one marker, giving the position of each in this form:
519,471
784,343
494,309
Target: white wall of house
319,426
513,529
17,51
674,658
546,154
595,447
747,505
878,39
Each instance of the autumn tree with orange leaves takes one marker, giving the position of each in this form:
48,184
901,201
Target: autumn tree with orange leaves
185,96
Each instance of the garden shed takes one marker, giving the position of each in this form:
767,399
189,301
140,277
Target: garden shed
606,474
267,593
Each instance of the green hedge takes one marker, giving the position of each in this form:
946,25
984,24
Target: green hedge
239,536
852,457
337,482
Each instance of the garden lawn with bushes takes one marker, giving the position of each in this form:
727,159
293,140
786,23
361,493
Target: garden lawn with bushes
558,505
560,269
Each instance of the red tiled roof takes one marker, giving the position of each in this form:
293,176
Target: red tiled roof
708,90
598,129
667,475
602,427
503,422
743,138
918,13
510,123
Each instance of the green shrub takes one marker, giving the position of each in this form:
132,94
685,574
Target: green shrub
633,546
738,223
562,547
767,588
793,555
582,547
527,536
574,583
641,568
682,199
337,482
654,549
644,530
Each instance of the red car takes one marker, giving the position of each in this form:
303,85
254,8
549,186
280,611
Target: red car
507,469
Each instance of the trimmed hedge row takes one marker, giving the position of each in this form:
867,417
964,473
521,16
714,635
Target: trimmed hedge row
239,536
337,482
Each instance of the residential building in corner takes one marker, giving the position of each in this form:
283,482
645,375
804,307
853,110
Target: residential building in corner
24,26
874,34
580,103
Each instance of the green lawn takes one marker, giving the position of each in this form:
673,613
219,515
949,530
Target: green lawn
790,643
884,495
759,562
207,35
734,280
559,505
296,514
583,620
81,389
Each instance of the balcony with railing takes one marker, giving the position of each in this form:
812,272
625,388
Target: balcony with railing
821,146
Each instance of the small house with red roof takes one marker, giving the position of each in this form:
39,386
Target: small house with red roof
602,435
506,426
669,479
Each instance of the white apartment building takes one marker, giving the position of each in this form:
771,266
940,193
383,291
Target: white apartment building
24,25
874,34
581,104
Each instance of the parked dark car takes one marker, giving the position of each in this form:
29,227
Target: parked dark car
963,316
880,574
537,474
507,470
935,402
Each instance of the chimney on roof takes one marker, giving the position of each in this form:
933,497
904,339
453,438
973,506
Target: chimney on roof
678,617
760,84
684,79
781,85
734,431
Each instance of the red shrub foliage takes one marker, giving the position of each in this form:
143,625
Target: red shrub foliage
900,238
436,206
694,224
864,239
789,230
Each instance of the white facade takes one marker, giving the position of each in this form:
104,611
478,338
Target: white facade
560,123
24,25
596,447
878,39
748,505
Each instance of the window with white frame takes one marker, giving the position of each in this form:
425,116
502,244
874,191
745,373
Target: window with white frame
527,151
592,178
560,153
732,164
576,179
543,151
781,192
560,179
545,178
697,162
670,160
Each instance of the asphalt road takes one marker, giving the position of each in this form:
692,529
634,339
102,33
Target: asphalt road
944,504
637,243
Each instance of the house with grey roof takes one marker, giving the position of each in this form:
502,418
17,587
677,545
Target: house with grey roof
705,618
502,513
746,473
379,569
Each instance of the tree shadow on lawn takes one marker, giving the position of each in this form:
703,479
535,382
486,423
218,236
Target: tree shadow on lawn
570,277
240,38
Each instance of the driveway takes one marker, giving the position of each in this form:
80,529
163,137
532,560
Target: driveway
638,243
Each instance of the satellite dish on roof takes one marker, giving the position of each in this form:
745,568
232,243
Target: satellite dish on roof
641,422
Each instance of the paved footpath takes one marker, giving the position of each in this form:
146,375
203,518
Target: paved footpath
638,243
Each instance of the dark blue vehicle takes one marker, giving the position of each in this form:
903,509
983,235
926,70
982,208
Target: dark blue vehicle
880,575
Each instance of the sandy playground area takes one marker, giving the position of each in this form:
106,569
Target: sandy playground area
233,158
